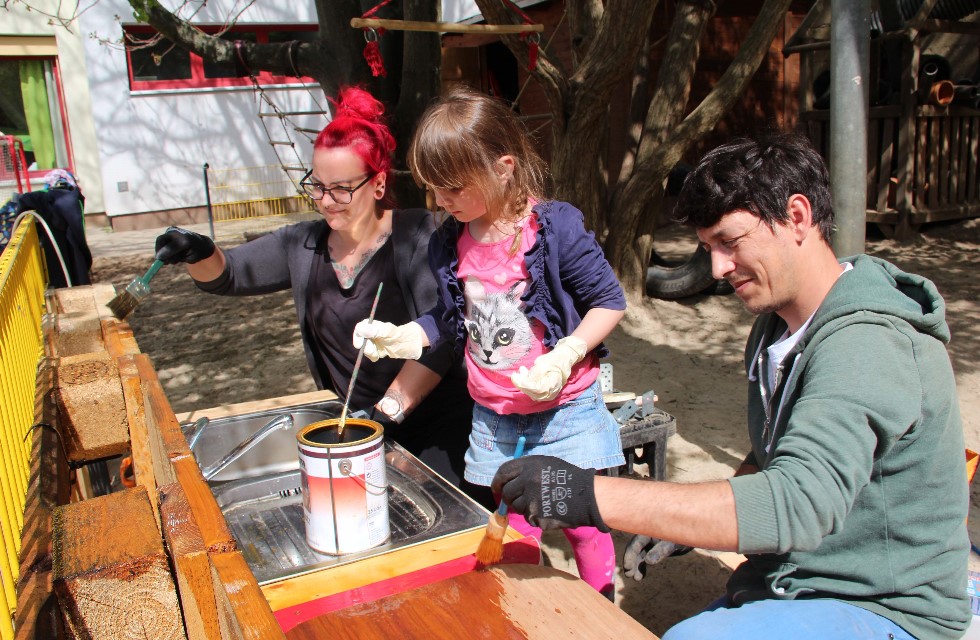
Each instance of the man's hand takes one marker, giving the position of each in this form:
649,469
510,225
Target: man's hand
545,379
549,492
386,340
181,245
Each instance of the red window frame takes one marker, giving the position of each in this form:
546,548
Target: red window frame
198,79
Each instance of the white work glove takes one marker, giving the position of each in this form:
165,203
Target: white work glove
386,340
550,372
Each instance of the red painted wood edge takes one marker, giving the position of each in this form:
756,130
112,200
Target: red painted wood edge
523,551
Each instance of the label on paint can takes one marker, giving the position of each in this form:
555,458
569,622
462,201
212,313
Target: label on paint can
345,486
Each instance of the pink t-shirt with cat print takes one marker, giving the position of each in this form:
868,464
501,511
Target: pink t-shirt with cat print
500,337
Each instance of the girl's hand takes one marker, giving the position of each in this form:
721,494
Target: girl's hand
544,380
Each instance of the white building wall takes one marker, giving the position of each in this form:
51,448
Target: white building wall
17,21
153,145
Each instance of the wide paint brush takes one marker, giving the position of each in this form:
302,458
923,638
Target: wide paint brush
491,548
134,293
357,366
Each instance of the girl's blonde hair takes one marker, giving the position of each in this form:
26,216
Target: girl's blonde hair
458,142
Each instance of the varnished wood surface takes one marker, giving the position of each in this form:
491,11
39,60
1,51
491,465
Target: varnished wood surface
508,601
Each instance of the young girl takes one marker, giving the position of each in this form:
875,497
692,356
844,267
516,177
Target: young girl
528,291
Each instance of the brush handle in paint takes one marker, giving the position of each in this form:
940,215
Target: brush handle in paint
518,452
357,365
152,271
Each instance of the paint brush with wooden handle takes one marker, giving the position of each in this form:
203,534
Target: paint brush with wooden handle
491,548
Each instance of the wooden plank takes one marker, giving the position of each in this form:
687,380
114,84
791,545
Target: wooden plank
210,521
525,550
932,153
507,601
886,177
191,565
954,159
242,610
222,411
149,460
110,571
37,614
962,159
906,173
443,27
118,338
971,190
375,569
943,177
91,407
159,415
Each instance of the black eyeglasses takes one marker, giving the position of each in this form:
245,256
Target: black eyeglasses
340,195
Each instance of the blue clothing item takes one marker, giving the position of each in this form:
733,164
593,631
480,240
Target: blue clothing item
581,431
779,619
569,275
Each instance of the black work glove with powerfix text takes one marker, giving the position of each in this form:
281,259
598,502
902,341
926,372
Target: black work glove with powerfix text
549,492
182,245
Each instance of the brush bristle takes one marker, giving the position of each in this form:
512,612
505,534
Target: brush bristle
491,549
122,305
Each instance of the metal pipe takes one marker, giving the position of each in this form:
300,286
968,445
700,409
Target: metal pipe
850,53
207,197
280,422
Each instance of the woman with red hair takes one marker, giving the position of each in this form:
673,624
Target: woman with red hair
334,266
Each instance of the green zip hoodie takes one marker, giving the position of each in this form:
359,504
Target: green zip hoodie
862,494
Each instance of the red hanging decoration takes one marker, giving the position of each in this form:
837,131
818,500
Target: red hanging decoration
372,53
531,37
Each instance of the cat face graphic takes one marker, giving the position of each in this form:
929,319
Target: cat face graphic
499,332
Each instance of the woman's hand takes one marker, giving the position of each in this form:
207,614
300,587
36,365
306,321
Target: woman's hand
386,340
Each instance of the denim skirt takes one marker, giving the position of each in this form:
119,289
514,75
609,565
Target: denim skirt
581,431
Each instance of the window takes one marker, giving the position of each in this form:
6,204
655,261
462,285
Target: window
31,109
159,64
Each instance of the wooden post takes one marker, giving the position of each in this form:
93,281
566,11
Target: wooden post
906,175
111,574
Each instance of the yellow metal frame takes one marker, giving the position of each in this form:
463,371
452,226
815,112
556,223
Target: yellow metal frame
22,283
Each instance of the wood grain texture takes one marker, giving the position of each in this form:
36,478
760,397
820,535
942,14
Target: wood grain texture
146,458
92,410
191,565
242,611
118,338
508,601
110,571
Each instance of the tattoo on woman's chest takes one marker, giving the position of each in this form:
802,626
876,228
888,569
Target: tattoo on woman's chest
346,274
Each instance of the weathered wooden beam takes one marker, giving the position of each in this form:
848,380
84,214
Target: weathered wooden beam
191,565
111,574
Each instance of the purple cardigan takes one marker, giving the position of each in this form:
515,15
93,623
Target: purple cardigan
569,275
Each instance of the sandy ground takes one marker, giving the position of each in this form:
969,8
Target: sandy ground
210,350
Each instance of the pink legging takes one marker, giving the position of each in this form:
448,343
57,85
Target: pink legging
594,552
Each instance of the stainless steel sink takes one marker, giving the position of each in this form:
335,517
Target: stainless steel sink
273,455
261,499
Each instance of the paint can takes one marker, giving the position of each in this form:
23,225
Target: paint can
345,486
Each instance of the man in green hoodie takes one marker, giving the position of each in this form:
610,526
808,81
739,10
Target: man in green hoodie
851,505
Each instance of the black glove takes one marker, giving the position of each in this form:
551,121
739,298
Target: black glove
180,245
549,492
